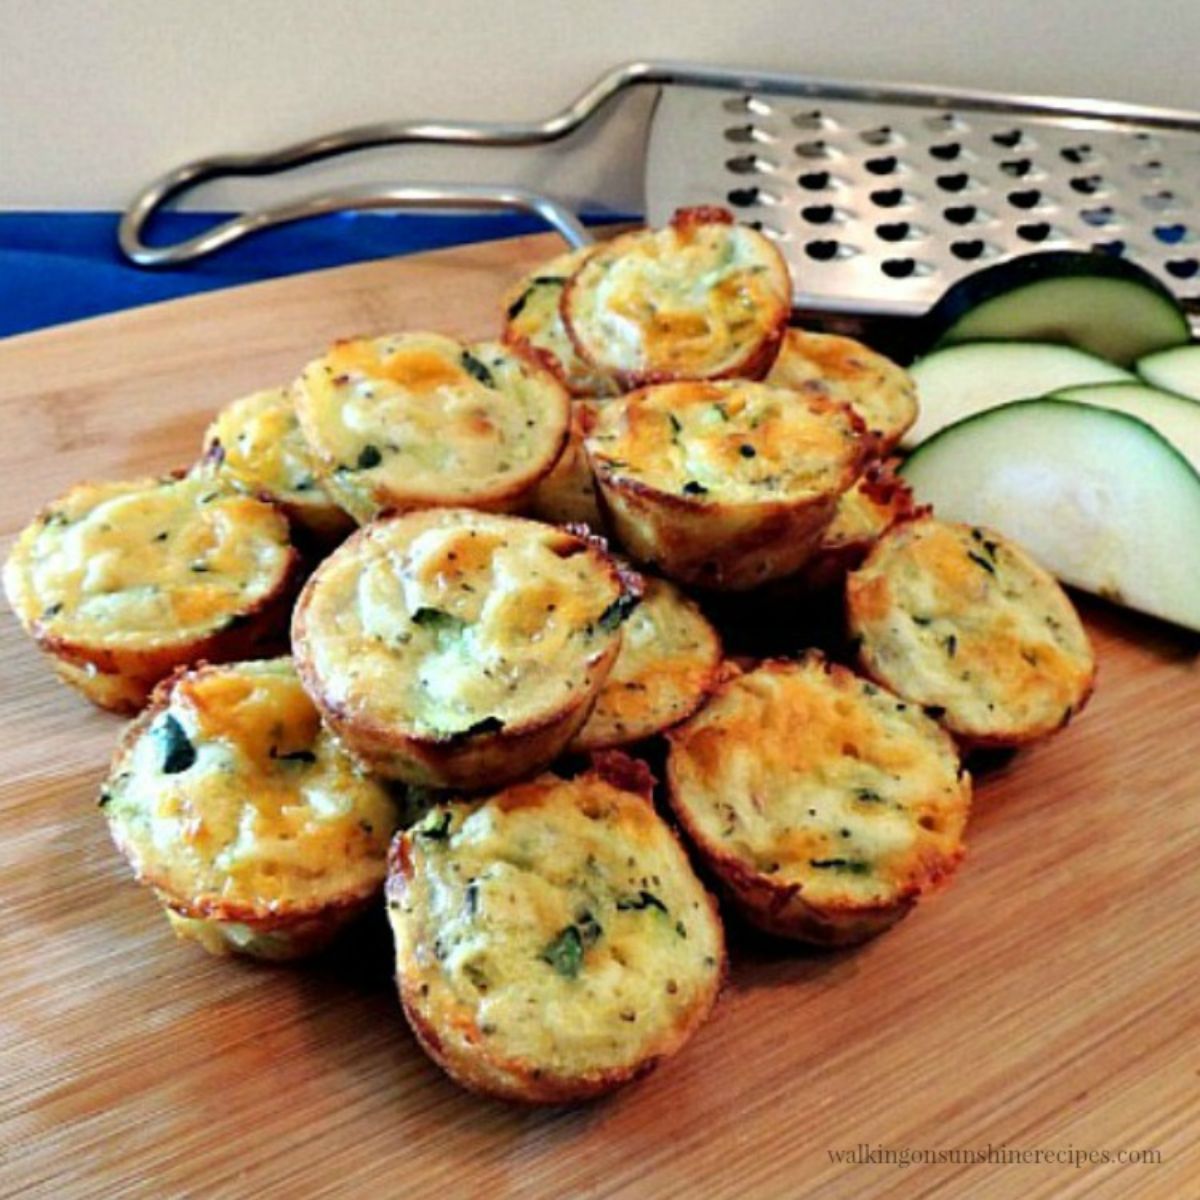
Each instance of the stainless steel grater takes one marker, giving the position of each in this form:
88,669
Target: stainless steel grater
879,195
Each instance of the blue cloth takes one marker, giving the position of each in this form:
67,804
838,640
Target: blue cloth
57,267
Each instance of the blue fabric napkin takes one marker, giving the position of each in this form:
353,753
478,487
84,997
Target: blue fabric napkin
57,266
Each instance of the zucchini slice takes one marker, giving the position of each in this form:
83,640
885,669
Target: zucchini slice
1101,304
1175,417
960,381
1176,370
1099,497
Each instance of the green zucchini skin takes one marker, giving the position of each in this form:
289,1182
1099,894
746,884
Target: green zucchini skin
1176,417
1104,305
1099,497
965,378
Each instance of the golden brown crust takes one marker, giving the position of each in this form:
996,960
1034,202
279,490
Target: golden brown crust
853,809
880,392
120,674
962,621
449,897
774,470
877,501
670,660
668,339
420,420
533,321
491,750
255,444
230,909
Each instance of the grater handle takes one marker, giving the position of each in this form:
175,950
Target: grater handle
530,133
364,137
365,196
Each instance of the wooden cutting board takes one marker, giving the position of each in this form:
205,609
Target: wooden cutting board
1048,1001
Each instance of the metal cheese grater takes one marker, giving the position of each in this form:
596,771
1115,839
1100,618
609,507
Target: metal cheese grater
879,195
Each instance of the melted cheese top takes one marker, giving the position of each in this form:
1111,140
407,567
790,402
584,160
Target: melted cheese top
439,620
807,774
557,925
727,442
257,445
667,663
824,364
533,315
690,302
418,419
146,563
959,618
232,796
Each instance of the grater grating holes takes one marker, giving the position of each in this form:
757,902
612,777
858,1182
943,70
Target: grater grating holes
964,187
741,134
751,164
1172,235
889,197
748,105
1025,198
813,119
883,135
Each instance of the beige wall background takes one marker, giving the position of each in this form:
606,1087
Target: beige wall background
97,96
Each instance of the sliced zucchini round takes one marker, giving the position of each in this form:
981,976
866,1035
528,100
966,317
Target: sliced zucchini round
1176,417
1176,370
1105,305
1099,497
961,380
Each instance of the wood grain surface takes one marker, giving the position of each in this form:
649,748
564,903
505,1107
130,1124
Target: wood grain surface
1048,1001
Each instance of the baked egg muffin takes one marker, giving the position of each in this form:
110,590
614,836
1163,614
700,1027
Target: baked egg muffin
256,830
825,804
533,320
825,364
255,444
878,499
567,495
669,661
459,649
418,420
724,485
702,299
962,621
120,583
552,941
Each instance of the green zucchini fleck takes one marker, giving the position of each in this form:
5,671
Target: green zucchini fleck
438,621
641,901
618,611
852,866
436,829
178,753
477,370
565,952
